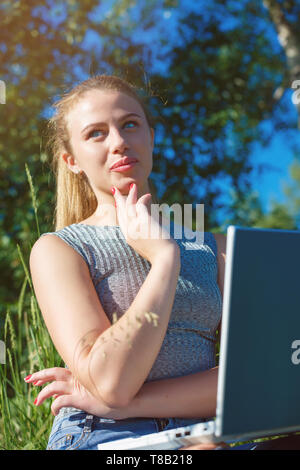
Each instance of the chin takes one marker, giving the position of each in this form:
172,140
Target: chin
124,185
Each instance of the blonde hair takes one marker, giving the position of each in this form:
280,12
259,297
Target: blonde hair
75,199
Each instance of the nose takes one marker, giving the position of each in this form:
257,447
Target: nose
118,143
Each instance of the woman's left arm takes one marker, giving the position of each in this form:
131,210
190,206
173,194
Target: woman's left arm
190,396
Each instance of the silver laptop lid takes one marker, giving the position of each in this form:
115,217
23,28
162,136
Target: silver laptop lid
259,376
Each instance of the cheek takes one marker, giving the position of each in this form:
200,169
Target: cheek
91,149
91,156
144,145
148,161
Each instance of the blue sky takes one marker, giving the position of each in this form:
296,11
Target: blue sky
270,184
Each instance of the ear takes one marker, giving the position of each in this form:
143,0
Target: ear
71,162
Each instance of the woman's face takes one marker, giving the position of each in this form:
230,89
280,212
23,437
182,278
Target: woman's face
105,126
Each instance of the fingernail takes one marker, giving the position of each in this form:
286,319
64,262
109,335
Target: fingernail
28,377
132,184
35,401
113,190
34,383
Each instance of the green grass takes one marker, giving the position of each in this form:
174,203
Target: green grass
28,348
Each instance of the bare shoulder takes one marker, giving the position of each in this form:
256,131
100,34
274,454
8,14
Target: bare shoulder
48,240
50,250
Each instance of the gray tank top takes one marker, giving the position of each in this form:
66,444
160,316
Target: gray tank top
118,272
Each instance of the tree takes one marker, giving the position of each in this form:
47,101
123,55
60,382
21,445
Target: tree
285,15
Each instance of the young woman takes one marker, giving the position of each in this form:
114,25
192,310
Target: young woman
134,317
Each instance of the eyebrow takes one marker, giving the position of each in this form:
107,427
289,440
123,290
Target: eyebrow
102,123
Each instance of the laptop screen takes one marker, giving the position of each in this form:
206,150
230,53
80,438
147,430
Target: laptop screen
259,379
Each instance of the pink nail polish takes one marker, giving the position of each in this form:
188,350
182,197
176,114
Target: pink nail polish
35,401
113,190
28,377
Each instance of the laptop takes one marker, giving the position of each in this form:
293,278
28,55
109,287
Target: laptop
258,391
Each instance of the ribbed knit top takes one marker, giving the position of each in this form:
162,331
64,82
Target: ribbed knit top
118,272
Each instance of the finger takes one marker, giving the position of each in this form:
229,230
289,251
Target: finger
143,204
38,383
55,388
144,199
119,198
207,446
62,401
132,194
48,375
131,201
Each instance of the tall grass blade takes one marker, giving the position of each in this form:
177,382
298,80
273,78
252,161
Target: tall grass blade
33,198
25,268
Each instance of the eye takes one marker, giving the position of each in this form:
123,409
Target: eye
93,132
131,122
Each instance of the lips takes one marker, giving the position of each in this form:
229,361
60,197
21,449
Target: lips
123,161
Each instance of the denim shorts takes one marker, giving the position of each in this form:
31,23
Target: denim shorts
75,429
